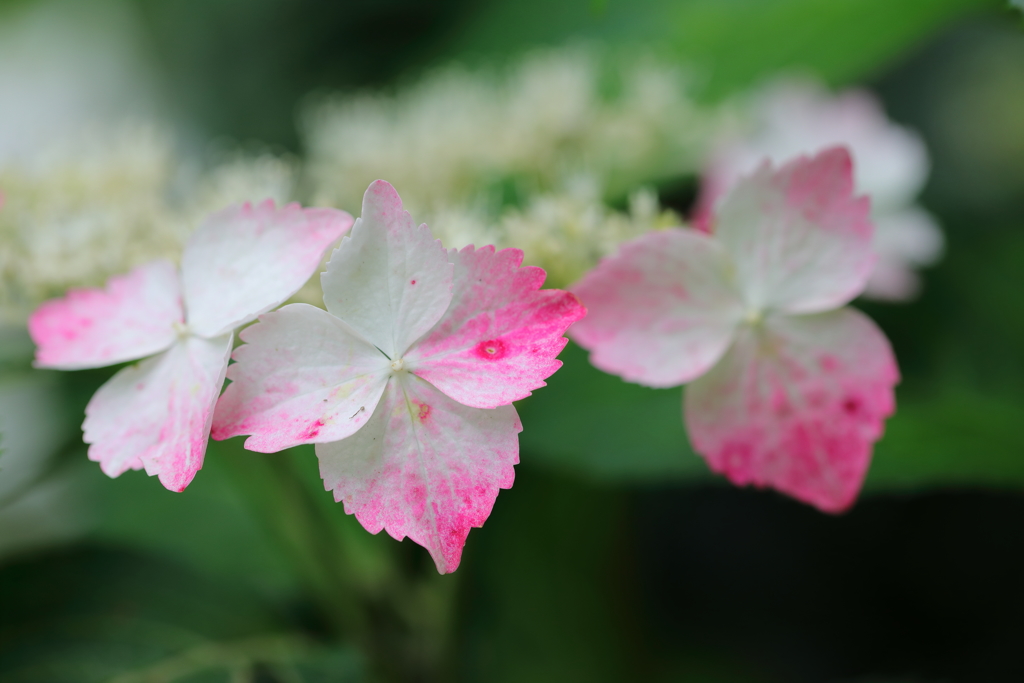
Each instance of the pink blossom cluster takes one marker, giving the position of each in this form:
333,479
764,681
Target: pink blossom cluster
405,383
788,388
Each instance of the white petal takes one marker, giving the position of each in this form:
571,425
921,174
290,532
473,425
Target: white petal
390,280
157,413
800,239
246,260
133,317
661,311
905,240
301,377
794,117
424,466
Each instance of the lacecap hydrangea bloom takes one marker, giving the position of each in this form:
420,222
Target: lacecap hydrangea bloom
241,262
788,388
493,137
793,117
406,382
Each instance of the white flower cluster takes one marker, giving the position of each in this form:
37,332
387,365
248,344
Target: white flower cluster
80,211
487,156
74,214
567,233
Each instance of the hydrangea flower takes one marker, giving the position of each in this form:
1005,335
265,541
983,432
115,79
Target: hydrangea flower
793,117
788,388
156,414
406,383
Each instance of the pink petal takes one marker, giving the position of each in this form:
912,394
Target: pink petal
501,335
157,414
132,318
800,239
389,280
661,311
246,260
424,466
797,405
302,377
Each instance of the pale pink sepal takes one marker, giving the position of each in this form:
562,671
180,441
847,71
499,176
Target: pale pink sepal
389,280
245,260
133,317
801,241
301,377
157,414
501,335
661,311
797,405
424,466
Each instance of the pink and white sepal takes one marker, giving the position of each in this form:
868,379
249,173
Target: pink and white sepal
156,414
406,382
788,388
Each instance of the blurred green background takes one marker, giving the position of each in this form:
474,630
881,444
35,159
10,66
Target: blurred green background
616,556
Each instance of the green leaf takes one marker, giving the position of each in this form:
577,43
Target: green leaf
100,615
590,422
958,438
191,526
732,42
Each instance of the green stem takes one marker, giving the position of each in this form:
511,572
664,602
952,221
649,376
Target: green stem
402,621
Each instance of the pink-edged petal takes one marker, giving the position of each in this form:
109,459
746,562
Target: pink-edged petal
661,311
424,466
245,260
797,404
501,335
389,280
301,377
132,318
156,414
800,239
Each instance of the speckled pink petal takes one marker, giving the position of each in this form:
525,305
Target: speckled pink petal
157,414
246,260
302,377
389,280
424,466
501,335
797,405
88,328
661,311
800,239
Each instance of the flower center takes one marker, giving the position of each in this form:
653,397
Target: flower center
753,316
397,365
181,329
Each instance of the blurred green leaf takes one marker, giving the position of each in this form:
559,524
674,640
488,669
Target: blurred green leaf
209,526
100,615
539,589
588,421
733,42
958,438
